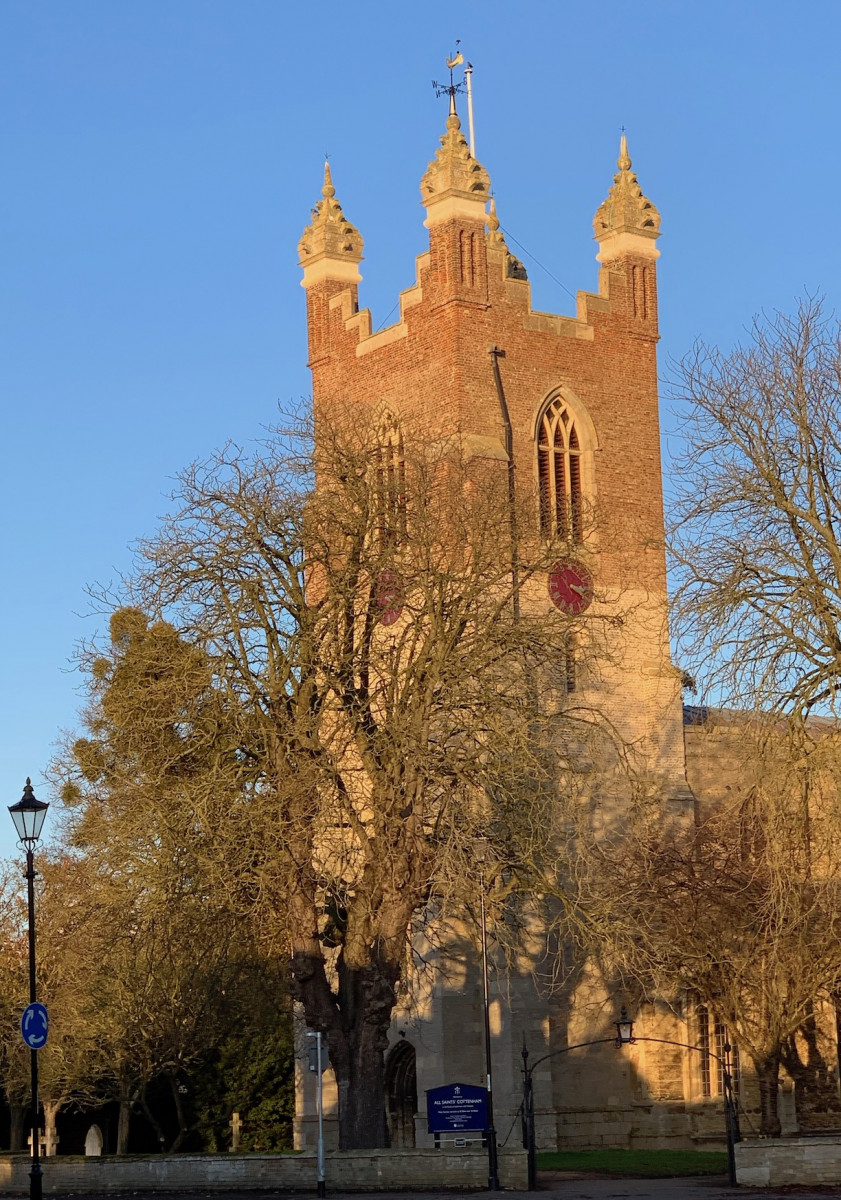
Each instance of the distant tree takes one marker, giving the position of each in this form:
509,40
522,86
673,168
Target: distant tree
756,542
332,695
143,801
250,1069
14,995
70,1067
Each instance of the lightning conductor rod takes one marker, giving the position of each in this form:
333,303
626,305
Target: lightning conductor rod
468,79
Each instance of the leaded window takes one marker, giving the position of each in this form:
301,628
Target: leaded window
559,473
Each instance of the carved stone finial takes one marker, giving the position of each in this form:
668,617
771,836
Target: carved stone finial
626,210
455,174
329,234
495,236
514,269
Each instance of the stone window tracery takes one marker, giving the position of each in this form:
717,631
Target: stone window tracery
712,1038
390,484
559,473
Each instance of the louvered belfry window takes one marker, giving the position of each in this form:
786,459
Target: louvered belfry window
390,470
559,473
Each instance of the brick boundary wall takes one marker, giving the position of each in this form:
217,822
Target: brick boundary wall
775,1162
356,1170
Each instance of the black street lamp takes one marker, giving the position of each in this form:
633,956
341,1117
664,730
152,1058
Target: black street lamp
624,1029
28,815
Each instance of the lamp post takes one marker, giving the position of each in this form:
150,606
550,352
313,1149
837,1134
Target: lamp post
28,816
625,1037
481,850
490,1133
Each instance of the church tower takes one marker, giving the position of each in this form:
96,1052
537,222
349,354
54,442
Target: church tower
568,406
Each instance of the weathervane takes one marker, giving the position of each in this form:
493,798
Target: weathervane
452,89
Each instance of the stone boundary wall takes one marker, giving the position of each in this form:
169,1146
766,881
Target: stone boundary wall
354,1170
773,1162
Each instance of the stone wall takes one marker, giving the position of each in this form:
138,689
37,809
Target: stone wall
775,1162
357,1170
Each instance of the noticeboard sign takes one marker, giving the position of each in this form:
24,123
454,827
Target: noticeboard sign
456,1108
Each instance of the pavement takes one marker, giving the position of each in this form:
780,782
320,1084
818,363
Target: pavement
553,1186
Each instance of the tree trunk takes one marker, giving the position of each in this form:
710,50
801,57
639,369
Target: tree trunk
768,1077
152,1119
17,1109
178,1100
356,1023
368,996
124,1119
815,1086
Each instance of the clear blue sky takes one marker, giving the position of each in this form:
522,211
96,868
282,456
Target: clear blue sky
159,160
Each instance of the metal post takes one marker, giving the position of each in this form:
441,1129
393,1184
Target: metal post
528,1121
35,1175
321,1185
490,1132
731,1116
468,79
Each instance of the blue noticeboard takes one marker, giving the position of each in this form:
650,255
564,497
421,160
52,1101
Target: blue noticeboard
34,1026
456,1108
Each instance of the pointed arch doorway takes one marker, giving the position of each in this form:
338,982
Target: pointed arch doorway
401,1090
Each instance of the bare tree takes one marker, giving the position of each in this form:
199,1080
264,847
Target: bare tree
758,517
744,910
340,698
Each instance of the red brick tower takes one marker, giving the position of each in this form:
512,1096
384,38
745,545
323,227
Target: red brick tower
570,401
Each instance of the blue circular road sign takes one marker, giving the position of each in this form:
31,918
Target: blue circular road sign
35,1025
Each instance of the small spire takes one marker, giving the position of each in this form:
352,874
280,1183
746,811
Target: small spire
494,236
329,234
514,269
454,171
626,209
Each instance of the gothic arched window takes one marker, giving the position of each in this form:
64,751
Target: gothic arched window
390,483
559,473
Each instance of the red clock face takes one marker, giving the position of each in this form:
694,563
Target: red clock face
570,587
389,597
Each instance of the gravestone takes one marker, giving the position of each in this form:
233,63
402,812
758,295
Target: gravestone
93,1142
236,1130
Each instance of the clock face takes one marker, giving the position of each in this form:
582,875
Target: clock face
389,597
570,587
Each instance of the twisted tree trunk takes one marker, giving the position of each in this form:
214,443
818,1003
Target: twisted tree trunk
768,1076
